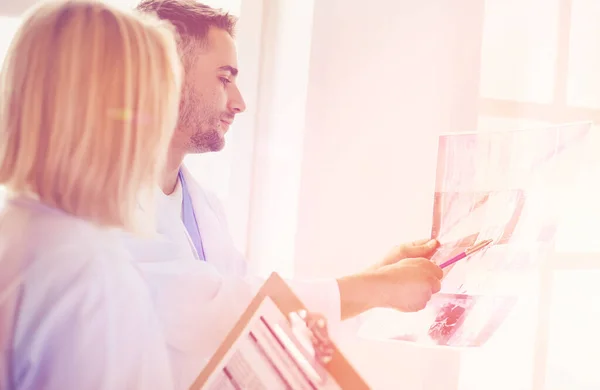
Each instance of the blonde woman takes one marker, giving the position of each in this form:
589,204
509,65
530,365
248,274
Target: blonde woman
88,101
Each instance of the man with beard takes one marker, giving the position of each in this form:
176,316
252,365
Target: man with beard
191,217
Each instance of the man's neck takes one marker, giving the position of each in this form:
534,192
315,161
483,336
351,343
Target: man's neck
171,172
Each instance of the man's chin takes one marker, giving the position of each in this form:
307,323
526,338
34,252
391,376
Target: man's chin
218,148
218,144
214,142
212,147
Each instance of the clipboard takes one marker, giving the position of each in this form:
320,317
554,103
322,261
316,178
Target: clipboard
264,351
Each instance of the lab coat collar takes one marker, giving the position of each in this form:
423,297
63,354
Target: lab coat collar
210,226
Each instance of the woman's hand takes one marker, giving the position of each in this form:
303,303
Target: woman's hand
316,329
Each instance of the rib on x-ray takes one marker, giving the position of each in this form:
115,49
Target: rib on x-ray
506,186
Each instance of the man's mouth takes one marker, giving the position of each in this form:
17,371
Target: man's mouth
227,120
225,125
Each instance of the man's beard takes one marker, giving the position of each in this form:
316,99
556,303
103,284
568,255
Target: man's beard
207,138
203,124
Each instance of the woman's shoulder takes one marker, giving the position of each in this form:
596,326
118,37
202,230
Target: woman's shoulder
44,245
77,296
53,260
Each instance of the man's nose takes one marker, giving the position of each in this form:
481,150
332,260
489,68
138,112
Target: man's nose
236,102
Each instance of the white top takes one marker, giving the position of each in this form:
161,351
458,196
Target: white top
170,209
173,202
74,311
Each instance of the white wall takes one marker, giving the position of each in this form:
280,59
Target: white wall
351,101
386,79
345,164
277,164
15,7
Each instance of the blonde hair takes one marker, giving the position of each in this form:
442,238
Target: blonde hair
89,99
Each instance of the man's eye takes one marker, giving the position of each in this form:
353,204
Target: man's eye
225,80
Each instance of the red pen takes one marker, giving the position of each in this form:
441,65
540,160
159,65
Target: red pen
467,252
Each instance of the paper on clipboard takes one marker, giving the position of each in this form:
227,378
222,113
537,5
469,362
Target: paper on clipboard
264,351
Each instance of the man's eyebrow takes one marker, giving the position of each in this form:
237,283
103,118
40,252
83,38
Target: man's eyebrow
231,69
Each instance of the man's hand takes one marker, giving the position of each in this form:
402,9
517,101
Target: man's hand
419,248
404,280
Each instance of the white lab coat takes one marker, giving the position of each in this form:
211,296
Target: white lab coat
74,311
199,302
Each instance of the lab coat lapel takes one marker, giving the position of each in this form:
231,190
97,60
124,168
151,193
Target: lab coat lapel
209,224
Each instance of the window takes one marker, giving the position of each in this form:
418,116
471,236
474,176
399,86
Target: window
538,67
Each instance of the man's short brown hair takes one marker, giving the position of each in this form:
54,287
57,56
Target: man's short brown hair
192,19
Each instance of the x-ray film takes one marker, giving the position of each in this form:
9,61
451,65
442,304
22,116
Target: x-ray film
506,186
